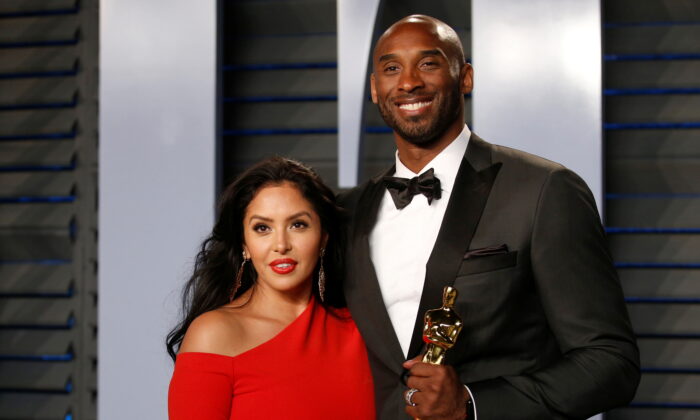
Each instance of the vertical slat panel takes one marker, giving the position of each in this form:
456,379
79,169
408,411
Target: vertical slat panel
48,140
652,122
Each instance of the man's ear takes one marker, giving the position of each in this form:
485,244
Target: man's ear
373,88
467,78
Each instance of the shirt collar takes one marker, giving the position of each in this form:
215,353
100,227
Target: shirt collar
446,163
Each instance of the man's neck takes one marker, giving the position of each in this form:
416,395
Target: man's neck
415,157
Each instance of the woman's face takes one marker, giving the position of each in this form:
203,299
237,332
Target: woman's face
283,237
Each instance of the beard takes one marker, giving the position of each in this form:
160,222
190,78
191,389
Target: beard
424,129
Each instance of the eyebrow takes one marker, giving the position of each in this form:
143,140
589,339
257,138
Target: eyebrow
434,52
431,52
294,216
387,57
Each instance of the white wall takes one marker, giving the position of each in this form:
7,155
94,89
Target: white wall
156,187
538,80
356,20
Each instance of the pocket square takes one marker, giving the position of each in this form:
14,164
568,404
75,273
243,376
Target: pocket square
487,251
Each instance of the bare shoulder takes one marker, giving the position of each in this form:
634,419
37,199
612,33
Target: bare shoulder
219,331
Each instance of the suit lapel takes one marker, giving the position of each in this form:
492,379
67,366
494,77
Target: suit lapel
362,287
467,201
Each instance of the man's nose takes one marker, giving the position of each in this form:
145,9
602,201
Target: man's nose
410,80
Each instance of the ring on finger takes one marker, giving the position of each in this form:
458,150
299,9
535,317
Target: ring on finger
409,395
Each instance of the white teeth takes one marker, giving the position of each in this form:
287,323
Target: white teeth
285,265
414,106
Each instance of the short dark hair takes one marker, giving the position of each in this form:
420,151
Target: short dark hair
220,257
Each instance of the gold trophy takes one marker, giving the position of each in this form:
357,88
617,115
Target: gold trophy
441,328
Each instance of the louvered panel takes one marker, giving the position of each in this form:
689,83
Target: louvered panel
36,29
652,93
665,319
276,115
325,169
36,183
36,152
37,313
675,354
52,277
48,93
38,343
654,414
280,17
43,215
33,6
35,376
379,146
679,248
312,147
653,74
24,406
668,388
252,85
16,62
650,11
314,47
654,39
28,243
662,212
654,176
47,66
683,144
667,283
653,108
36,121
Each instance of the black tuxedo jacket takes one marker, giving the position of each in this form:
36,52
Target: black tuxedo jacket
546,332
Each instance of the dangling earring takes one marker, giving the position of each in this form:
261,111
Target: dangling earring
239,275
321,277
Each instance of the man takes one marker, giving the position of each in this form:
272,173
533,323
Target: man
546,333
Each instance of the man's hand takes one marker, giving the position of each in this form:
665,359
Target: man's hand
440,395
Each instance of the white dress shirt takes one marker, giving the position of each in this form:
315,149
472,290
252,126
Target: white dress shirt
402,240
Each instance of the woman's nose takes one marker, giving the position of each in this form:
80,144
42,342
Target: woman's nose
282,243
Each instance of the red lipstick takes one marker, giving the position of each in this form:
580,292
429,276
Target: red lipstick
283,265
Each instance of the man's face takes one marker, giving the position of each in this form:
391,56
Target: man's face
418,94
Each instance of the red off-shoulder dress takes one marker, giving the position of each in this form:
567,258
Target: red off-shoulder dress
315,368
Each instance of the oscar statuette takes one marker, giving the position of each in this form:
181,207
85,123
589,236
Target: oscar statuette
441,328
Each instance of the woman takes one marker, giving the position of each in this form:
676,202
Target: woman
264,334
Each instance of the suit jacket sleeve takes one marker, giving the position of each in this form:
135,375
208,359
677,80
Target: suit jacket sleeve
584,305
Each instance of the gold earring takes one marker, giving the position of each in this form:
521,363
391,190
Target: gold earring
239,275
321,277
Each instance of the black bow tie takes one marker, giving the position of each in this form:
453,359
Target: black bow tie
402,190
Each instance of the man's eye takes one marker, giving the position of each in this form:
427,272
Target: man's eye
430,64
391,69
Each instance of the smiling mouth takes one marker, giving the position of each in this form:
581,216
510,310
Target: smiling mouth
283,267
415,106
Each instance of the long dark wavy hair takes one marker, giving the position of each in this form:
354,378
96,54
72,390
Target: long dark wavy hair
220,256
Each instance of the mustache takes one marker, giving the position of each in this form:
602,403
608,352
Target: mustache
411,97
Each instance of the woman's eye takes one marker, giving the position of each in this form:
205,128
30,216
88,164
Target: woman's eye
299,225
261,228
